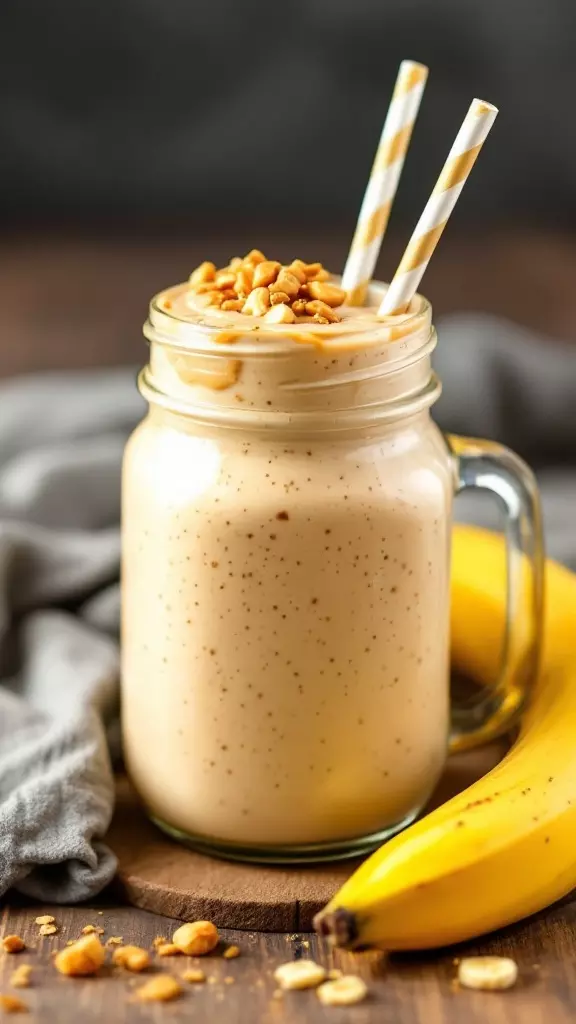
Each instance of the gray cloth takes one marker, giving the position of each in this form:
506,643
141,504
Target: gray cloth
61,439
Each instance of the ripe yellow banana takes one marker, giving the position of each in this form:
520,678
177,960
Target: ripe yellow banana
504,848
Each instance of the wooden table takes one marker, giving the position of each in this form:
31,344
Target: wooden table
414,989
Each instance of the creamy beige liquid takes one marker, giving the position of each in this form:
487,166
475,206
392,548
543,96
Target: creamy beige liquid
285,676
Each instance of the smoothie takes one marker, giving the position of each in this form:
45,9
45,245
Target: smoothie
285,573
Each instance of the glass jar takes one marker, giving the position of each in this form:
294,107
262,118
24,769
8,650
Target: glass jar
287,514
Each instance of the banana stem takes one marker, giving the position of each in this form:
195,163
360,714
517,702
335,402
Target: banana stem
338,926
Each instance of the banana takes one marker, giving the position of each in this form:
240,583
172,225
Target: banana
503,848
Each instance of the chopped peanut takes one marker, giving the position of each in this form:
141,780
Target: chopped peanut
215,298
48,929
194,975
13,944
160,989
11,1004
84,957
244,282
327,293
253,285
45,919
205,272
225,279
280,314
255,256
320,309
265,273
316,272
231,952
196,938
298,268
168,949
286,282
133,958
257,302
114,940
277,297
20,978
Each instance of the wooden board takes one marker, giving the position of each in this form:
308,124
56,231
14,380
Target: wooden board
156,873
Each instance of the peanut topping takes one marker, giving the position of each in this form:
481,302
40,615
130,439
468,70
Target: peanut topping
254,285
280,314
196,938
265,273
322,313
327,293
81,958
13,944
205,272
257,302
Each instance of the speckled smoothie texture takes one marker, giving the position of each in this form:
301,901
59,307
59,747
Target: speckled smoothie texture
285,654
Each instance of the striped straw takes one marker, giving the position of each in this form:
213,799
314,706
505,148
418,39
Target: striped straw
383,181
461,159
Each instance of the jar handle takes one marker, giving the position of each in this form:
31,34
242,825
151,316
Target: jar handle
488,466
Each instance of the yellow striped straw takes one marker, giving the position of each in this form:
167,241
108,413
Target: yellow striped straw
461,159
383,181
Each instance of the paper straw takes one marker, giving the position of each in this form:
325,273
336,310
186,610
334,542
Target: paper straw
461,159
383,181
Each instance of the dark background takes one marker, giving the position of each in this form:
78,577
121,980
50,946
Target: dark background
138,137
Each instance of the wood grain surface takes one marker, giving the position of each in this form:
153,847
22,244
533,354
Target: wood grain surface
413,989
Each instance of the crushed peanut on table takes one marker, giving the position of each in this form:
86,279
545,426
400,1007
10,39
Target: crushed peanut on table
132,958
194,976
13,944
231,952
48,929
168,949
83,957
20,978
45,919
160,989
11,1004
196,938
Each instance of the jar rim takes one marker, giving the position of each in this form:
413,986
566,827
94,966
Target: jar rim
192,335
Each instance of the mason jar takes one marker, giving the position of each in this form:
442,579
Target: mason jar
287,515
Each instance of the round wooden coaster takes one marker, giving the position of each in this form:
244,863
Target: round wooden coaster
158,874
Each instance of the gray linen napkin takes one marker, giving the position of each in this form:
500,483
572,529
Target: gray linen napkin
61,440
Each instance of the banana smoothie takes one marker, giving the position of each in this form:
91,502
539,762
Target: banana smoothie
286,522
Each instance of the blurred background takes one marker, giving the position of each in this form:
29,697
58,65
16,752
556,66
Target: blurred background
138,137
